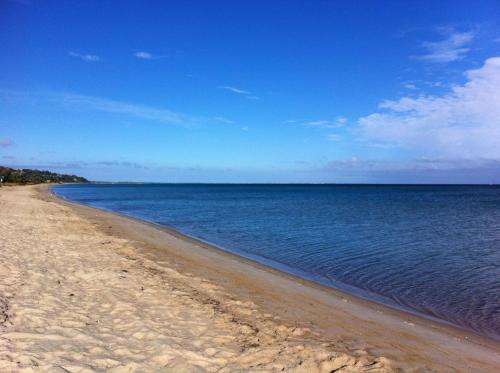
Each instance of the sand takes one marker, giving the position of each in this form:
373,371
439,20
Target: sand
83,290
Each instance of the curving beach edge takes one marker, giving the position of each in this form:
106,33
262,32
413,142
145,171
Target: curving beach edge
85,290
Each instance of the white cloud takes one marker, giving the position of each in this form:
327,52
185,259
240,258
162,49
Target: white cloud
453,47
462,123
235,90
409,85
85,57
111,106
6,143
144,55
91,103
147,56
324,123
239,91
438,84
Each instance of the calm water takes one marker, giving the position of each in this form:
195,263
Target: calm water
430,249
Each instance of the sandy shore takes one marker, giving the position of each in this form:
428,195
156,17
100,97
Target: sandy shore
83,290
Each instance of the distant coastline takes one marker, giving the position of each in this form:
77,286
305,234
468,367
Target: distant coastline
32,176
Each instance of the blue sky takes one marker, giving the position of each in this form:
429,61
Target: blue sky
253,91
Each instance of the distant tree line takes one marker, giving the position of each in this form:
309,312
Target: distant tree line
27,176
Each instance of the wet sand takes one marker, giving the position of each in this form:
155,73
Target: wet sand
87,290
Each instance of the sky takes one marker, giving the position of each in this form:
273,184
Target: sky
252,91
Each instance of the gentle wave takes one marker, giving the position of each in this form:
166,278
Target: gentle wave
430,249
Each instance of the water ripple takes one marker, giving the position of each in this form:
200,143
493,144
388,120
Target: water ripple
431,249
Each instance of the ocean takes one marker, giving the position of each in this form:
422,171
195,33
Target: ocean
428,249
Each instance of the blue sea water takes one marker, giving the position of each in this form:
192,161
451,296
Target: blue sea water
434,250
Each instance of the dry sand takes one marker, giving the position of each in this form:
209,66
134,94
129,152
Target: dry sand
83,290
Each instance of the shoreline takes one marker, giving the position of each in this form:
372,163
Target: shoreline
324,308
85,290
274,267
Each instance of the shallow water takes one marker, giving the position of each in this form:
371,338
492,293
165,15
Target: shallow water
434,250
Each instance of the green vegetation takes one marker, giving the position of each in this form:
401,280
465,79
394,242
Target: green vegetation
27,176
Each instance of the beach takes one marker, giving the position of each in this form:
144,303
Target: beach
85,290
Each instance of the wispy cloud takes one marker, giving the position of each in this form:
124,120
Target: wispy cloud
247,94
79,102
6,143
84,57
325,123
235,90
224,120
461,123
409,85
116,163
334,137
452,47
421,163
418,170
147,56
118,107
144,55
